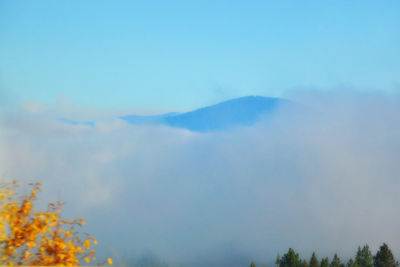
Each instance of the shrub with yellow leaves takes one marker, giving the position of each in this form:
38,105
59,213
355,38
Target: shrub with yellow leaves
30,237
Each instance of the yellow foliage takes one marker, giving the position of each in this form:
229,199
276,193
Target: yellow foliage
86,244
30,237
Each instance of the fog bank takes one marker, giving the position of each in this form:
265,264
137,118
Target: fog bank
323,175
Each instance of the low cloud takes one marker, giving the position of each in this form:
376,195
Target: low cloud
321,176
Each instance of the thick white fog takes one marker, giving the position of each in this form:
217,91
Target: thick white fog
323,175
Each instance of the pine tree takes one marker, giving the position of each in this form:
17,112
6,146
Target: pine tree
364,257
384,257
252,264
336,261
314,261
278,260
352,263
325,262
290,259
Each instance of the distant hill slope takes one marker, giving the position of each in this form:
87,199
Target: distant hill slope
223,116
137,119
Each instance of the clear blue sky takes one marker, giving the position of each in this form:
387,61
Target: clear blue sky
184,54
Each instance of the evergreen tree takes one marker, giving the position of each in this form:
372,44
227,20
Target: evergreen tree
352,263
290,259
336,262
314,261
278,260
252,264
305,263
325,262
384,257
364,257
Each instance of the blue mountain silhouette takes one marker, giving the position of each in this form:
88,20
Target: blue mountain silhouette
226,115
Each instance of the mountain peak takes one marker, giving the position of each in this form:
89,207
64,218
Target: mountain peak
243,111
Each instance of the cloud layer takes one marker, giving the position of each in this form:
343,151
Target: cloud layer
322,176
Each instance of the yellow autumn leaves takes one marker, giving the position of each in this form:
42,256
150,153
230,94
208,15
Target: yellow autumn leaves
30,237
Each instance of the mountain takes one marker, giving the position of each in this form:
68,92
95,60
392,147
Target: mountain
137,119
226,115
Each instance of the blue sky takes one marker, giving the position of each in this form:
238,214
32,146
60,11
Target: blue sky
178,55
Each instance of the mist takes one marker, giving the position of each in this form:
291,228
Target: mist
321,175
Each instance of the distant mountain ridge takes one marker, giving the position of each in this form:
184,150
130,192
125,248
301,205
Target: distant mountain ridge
243,111
137,119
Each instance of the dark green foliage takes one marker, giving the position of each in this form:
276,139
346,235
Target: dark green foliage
384,257
314,260
336,261
352,263
290,259
325,262
364,257
252,264
278,260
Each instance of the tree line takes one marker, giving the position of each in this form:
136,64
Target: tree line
363,258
